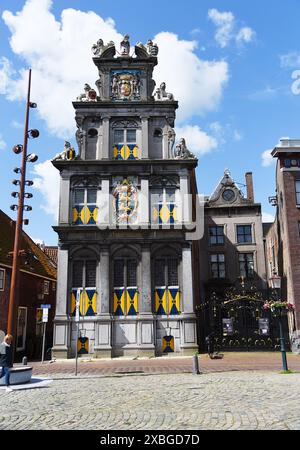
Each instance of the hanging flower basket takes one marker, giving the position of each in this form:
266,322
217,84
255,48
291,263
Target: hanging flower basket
278,306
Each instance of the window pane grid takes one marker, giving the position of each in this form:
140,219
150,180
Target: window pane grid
244,234
217,264
90,274
216,235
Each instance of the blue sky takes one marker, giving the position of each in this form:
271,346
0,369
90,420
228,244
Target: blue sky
229,63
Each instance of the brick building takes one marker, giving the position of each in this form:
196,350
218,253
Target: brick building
37,286
283,239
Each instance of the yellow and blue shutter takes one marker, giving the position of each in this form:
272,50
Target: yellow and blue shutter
85,215
125,152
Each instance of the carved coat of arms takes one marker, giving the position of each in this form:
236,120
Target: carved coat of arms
125,202
125,85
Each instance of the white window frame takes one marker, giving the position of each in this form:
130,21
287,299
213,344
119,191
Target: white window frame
19,349
2,280
154,200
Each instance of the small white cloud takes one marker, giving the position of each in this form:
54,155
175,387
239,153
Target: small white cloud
224,21
290,60
2,143
237,136
47,182
227,29
197,140
267,218
16,124
267,159
246,34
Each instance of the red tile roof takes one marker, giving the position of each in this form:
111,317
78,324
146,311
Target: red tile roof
34,259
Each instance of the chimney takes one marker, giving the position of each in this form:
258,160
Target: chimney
249,184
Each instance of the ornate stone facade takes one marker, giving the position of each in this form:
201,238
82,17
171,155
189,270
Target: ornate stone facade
124,254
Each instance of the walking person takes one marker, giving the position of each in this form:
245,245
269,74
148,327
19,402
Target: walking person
6,359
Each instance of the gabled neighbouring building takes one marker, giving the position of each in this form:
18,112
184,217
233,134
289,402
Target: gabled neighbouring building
37,286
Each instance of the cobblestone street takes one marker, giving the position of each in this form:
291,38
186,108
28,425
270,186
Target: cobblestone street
214,400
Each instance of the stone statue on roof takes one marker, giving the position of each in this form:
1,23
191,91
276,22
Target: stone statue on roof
125,46
152,48
162,95
182,152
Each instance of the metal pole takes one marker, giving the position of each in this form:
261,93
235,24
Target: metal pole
77,315
76,344
43,346
282,346
14,285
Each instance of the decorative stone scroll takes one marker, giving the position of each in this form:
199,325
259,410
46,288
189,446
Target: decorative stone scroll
100,49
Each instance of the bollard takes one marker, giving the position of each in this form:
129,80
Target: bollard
196,365
24,361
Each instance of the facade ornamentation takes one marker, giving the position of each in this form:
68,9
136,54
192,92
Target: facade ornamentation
125,201
68,153
125,46
125,85
152,48
182,152
162,95
89,95
171,142
99,48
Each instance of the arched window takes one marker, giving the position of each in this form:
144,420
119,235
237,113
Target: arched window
84,268
125,285
92,133
166,285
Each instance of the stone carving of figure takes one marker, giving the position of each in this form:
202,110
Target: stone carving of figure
67,154
89,95
152,48
125,46
115,85
171,142
182,152
79,137
162,95
98,48
136,83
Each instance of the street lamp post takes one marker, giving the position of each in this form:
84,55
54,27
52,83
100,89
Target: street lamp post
20,207
276,285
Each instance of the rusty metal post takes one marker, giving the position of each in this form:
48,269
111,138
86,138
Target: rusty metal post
14,284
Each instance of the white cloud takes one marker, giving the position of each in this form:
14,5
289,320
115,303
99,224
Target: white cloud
2,143
224,22
227,28
267,158
59,56
47,182
61,63
267,218
197,84
197,140
246,34
290,60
